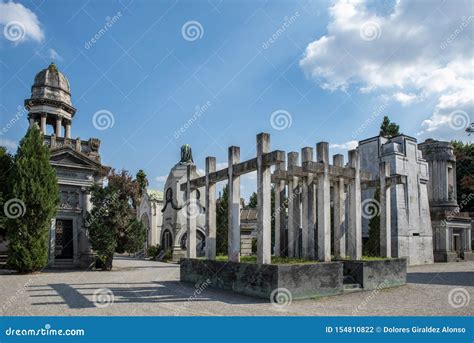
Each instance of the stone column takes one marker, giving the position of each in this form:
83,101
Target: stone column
234,206
280,213
354,228
293,204
43,123
210,210
324,203
264,209
339,212
385,224
191,216
67,130
58,126
307,208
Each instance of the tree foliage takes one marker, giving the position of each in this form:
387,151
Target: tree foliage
113,224
252,201
222,211
464,174
142,181
6,164
389,129
372,246
35,192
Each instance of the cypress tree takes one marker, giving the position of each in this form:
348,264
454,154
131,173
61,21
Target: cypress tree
372,247
6,164
34,198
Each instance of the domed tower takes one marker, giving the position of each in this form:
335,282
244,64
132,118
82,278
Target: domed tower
50,102
77,165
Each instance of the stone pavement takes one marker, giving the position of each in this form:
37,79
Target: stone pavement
144,288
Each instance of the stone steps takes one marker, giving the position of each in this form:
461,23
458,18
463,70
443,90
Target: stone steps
349,285
3,261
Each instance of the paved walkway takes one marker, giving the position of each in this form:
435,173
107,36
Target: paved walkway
146,288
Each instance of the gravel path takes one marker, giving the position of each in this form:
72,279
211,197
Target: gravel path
144,288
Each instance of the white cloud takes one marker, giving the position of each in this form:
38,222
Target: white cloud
19,23
345,146
420,50
53,54
9,144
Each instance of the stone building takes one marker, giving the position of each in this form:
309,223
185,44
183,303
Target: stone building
451,228
77,164
411,231
248,230
149,213
174,229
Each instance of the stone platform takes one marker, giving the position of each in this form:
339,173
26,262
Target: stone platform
303,281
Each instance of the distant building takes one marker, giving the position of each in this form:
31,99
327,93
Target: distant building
451,228
248,230
77,164
149,213
412,234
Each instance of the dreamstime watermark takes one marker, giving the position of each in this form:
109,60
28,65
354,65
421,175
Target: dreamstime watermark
103,297
102,211
192,30
14,31
452,37
199,289
370,208
192,209
287,22
459,297
281,297
465,199
369,298
459,120
281,120
14,208
199,111
14,298
109,22
103,120
21,111
375,114
370,30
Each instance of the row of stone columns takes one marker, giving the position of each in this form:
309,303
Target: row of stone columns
309,204
57,128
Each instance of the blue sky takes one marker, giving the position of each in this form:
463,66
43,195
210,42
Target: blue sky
326,70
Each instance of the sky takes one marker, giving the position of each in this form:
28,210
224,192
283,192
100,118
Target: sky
149,76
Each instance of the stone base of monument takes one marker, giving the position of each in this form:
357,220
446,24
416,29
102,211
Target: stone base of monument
302,281
377,274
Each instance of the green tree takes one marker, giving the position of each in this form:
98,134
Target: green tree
6,164
252,201
464,174
372,246
142,181
100,224
136,236
389,129
222,222
35,193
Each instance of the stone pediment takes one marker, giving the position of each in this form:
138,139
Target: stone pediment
71,158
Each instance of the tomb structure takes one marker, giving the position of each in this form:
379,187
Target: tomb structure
451,227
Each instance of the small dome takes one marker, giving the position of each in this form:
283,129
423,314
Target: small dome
51,84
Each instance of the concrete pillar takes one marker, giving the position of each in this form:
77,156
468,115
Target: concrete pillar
307,208
234,206
67,130
43,123
293,205
385,224
354,228
324,209
190,217
264,209
58,126
280,213
210,210
339,212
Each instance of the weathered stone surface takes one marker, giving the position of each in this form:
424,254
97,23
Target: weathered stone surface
302,280
379,273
